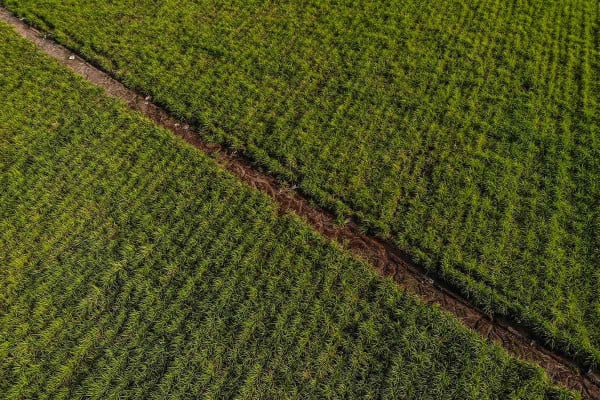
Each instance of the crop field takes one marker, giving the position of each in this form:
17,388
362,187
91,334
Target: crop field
134,267
466,131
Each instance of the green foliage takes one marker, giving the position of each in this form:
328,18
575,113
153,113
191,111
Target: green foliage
467,130
133,267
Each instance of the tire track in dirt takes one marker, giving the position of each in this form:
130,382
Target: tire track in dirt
384,256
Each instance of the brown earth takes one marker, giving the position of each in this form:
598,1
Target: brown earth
384,256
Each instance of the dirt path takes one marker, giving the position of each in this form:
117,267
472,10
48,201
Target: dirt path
388,260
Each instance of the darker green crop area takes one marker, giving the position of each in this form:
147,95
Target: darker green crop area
133,267
468,132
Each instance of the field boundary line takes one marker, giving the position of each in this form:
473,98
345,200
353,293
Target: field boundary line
385,257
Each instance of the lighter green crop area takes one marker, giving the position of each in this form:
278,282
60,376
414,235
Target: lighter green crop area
467,131
133,267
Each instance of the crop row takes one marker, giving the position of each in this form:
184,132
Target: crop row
466,131
133,267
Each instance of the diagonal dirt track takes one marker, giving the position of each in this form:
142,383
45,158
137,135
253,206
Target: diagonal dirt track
387,259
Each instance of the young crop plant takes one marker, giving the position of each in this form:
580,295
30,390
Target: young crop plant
466,132
133,267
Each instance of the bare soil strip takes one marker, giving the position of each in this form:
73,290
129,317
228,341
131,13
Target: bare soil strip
384,256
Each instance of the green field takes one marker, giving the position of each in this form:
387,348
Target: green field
133,267
467,131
